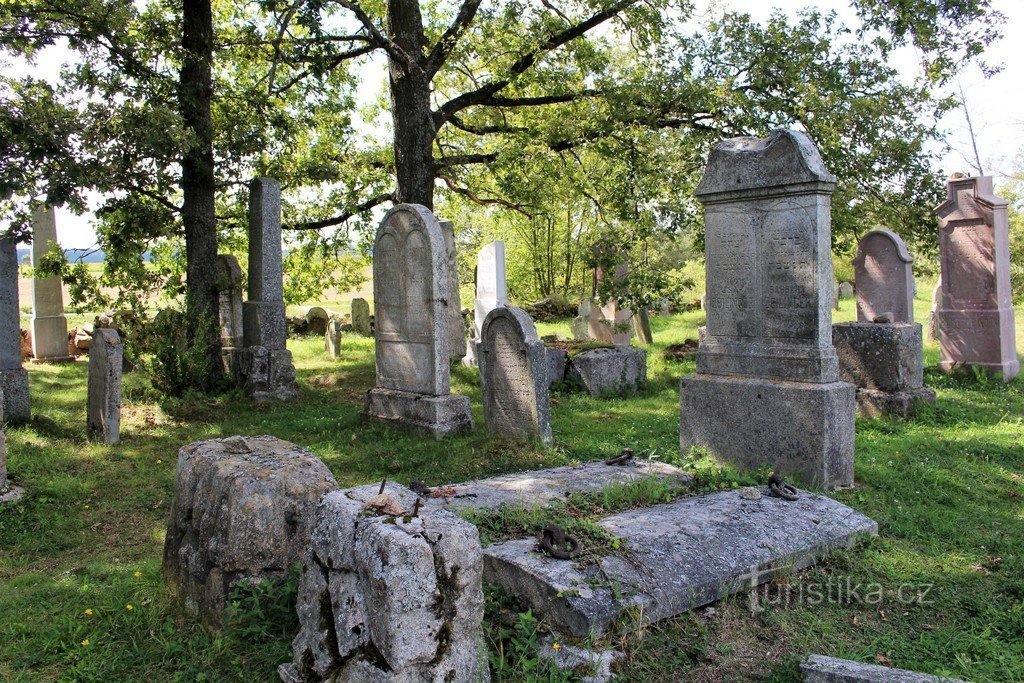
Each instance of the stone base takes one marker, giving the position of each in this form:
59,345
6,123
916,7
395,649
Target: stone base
12,494
821,669
268,374
50,338
799,429
17,404
53,359
437,416
1005,371
882,356
981,339
619,371
264,324
876,403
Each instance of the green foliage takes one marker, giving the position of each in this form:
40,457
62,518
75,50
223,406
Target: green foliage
263,612
177,362
514,652
1013,192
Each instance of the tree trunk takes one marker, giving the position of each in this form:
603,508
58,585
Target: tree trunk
198,210
410,107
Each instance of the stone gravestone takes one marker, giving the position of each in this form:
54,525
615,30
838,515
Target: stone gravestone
619,321
13,377
885,278
9,493
453,304
268,373
932,328
766,388
49,326
229,283
332,338
411,284
514,376
975,317
361,317
490,291
106,357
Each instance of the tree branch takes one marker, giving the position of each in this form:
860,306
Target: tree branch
392,48
344,217
483,201
333,64
526,61
439,55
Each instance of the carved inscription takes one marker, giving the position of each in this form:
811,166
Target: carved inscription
970,264
510,400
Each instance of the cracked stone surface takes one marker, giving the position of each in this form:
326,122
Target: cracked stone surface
820,669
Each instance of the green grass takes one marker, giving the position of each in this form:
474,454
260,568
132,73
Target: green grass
947,491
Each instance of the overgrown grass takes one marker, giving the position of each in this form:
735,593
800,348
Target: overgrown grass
946,489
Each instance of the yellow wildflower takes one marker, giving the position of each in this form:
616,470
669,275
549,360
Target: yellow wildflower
85,643
556,647
88,612
137,574
129,607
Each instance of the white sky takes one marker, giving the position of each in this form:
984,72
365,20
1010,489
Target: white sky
996,104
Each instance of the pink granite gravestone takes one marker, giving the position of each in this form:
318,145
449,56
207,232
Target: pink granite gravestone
885,280
975,316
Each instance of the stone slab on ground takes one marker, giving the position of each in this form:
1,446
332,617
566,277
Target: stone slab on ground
821,669
529,489
679,556
902,404
603,372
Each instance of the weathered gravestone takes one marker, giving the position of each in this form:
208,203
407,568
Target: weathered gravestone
361,317
106,358
619,321
885,278
591,323
932,327
609,372
410,290
229,283
846,290
490,289
389,594
453,304
268,373
766,388
13,377
975,317
514,376
822,669
49,326
332,338
316,320
9,493
242,511
642,327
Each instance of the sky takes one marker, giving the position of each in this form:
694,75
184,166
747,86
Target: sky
996,104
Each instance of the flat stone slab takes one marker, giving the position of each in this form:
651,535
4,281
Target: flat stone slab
12,494
821,669
535,488
678,556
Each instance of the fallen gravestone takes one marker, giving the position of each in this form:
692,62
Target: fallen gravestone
885,278
106,362
242,511
49,326
514,376
820,669
410,285
767,387
975,316
361,317
606,372
13,376
389,593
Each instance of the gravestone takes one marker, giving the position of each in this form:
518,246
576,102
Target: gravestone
514,376
846,290
932,328
268,373
885,278
975,316
361,317
642,326
229,283
9,493
619,321
49,326
13,377
453,304
316,320
332,338
591,323
490,290
767,388
106,358
411,284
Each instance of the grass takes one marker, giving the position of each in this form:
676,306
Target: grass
946,489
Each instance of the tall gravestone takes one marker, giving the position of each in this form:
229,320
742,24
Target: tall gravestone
885,278
332,338
514,376
49,326
456,324
13,377
411,288
490,290
269,373
619,321
975,316
766,388
229,283
106,357
361,317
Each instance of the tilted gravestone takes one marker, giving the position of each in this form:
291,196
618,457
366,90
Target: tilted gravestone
453,304
411,284
766,388
514,376
975,316
13,377
885,278
268,371
881,353
361,317
49,326
106,358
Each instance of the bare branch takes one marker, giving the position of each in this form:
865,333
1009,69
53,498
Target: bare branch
392,48
344,217
451,36
483,201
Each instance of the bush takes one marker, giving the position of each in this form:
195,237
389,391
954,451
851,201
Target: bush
179,364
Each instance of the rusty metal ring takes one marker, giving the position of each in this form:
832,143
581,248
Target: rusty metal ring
554,542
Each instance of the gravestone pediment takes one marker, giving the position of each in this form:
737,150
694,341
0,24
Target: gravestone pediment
749,165
969,200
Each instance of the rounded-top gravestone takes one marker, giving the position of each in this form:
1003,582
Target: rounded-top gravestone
885,278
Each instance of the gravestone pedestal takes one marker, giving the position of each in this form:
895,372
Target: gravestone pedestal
49,326
883,360
436,416
766,389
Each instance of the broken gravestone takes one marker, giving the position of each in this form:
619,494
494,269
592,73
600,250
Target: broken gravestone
607,372
106,361
13,376
389,593
242,510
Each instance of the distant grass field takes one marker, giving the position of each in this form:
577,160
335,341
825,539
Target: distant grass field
82,598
